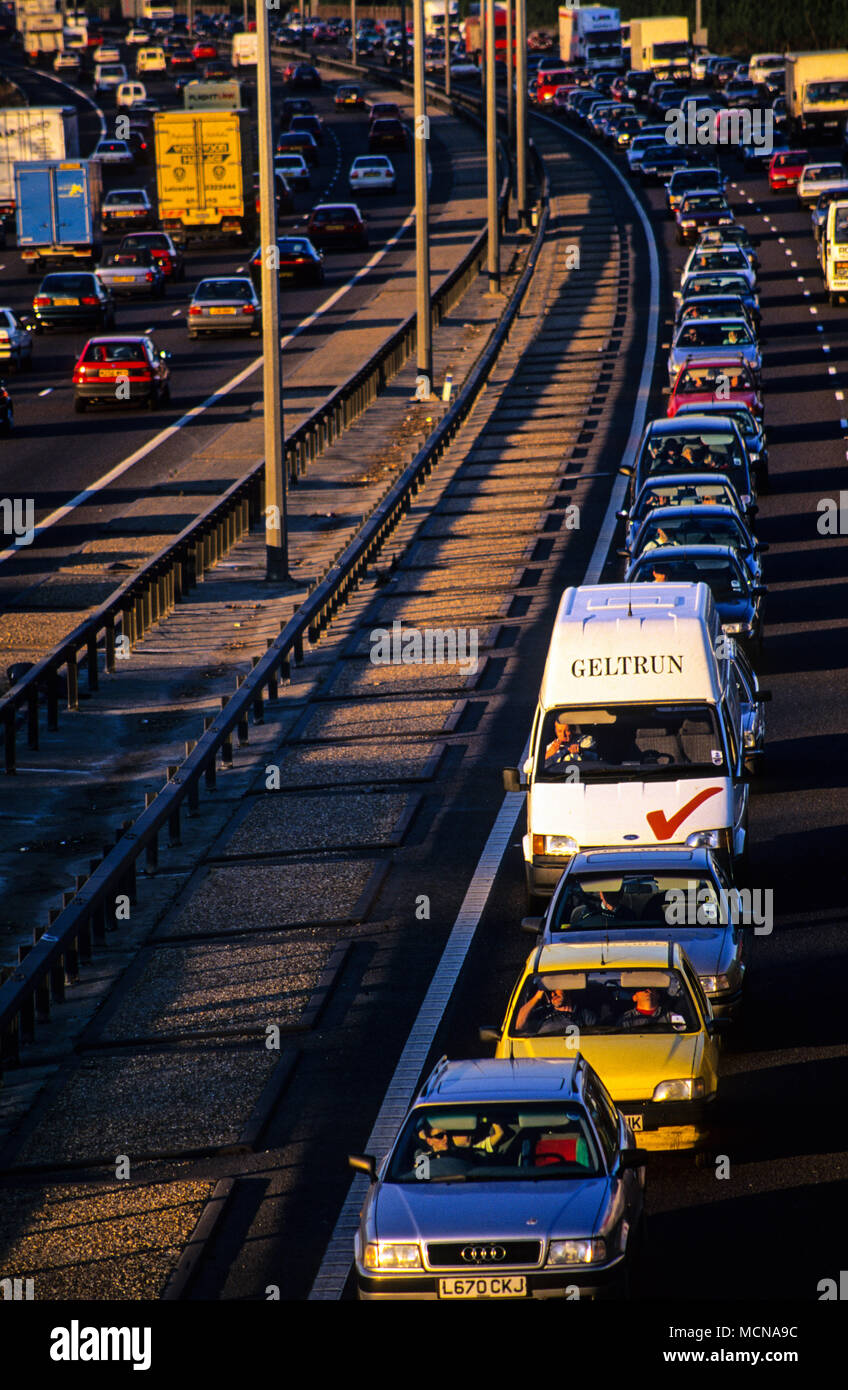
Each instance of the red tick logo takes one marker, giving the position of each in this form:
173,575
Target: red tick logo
664,829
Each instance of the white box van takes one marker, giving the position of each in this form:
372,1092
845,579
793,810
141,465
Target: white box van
151,60
638,737
129,93
245,52
108,76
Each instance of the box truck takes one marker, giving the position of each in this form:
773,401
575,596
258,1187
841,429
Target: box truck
58,212
661,45
204,174
590,36
817,93
32,132
212,96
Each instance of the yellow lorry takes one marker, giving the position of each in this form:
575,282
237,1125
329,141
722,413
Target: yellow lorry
204,178
817,93
661,45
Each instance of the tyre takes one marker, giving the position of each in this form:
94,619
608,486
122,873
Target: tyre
79,405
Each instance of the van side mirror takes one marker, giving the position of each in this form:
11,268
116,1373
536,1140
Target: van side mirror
489,1034
364,1163
511,779
532,925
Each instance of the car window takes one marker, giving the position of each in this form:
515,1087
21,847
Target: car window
647,900
605,1117
495,1141
603,1000
723,576
114,352
224,289
67,284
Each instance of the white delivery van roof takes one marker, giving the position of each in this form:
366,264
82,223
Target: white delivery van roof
632,643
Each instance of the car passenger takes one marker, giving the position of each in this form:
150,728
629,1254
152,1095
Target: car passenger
648,1010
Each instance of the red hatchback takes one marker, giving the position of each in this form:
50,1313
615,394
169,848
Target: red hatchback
725,378
121,371
337,225
203,50
162,249
785,169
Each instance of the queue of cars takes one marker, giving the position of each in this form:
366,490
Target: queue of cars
648,729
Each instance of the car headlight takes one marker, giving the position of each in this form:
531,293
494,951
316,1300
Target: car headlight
391,1255
692,1088
705,839
577,1252
715,984
688,223
753,455
556,844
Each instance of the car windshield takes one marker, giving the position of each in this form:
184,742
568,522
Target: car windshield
705,203
68,284
714,334
706,308
377,162
603,1001
700,529
630,742
691,451
717,284
130,258
820,172
114,352
292,247
224,289
674,493
156,241
723,576
719,258
710,380
495,1141
642,899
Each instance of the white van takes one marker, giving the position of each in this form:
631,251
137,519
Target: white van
151,60
638,738
833,250
245,51
109,76
129,93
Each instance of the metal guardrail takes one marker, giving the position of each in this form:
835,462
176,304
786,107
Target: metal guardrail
54,958
161,583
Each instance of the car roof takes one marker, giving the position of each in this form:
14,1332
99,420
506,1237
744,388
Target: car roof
120,338
335,207
491,1079
594,955
643,858
687,479
675,552
694,423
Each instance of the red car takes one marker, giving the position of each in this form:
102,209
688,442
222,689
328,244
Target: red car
106,362
725,378
547,82
161,248
382,110
785,169
337,225
204,49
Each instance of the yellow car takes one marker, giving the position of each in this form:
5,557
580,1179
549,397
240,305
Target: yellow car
638,1014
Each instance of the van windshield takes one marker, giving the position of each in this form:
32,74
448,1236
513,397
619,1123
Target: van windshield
630,742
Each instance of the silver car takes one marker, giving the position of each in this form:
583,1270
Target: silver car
507,1180
702,338
671,894
131,273
225,305
709,259
15,340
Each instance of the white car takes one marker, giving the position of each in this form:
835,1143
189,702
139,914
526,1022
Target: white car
66,62
113,152
15,340
130,93
293,168
372,172
137,36
818,178
106,53
108,76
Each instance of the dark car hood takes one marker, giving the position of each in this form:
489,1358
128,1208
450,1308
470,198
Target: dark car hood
490,1210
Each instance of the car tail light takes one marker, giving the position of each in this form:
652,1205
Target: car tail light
41,300
150,277
194,311
90,299
250,309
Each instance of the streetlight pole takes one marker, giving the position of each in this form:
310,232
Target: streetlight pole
422,212
404,46
353,31
492,153
447,49
510,94
521,109
276,519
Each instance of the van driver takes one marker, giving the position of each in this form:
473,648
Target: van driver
569,745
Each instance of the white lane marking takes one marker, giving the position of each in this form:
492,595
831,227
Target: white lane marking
175,313
335,1266
48,391
170,430
781,240
831,371
843,424
794,265
825,347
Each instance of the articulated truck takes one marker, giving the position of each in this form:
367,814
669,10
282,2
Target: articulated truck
204,175
817,93
32,132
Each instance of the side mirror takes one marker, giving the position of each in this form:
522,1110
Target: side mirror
511,779
489,1034
631,1158
622,515
364,1163
164,355
532,925
626,471
762,697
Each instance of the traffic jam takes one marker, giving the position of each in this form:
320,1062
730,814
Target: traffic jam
645,749
106,232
